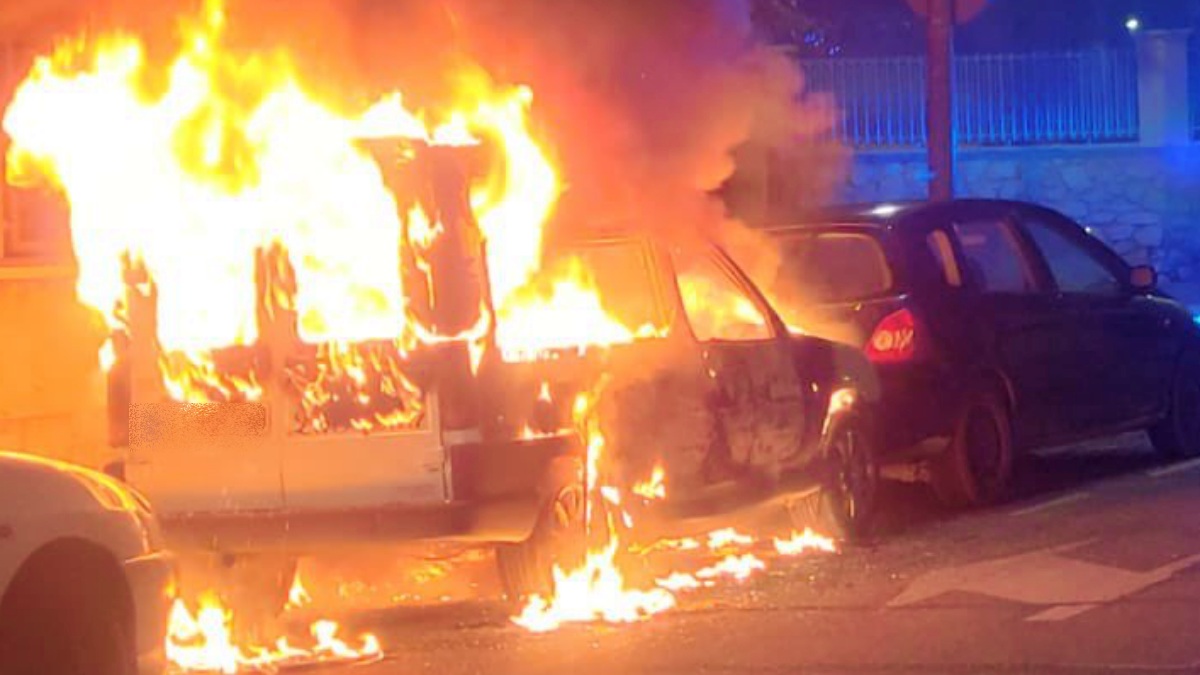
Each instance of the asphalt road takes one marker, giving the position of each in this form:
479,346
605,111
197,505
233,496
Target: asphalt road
1093,567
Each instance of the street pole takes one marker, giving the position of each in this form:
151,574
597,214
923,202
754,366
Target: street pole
940,113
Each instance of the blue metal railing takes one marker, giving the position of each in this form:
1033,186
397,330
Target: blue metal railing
1001,99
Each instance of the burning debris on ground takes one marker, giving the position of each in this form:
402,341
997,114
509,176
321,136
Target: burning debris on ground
486,239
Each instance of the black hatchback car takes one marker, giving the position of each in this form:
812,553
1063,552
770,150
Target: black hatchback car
996,326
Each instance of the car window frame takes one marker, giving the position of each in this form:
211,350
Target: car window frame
648,260
1029,256
1074,233
735,275
949,273
877,234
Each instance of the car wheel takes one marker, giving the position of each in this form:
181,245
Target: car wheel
976,469
1178,434
51,625
845,508
558,540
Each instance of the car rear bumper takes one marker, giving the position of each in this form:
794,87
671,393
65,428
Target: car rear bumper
152,585
917,409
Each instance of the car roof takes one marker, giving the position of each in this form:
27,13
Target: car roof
885,214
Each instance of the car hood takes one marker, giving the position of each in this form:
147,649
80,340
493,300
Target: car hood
30,484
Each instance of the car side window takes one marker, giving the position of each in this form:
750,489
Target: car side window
943,252
993,257
1074,269
716,307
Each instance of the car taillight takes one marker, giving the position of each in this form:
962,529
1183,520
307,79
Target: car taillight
894,339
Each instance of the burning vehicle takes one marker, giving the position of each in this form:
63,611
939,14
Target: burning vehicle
691,373
340,322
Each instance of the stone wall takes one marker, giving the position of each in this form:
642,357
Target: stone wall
52,394
1144,202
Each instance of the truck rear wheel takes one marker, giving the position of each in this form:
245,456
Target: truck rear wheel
559,539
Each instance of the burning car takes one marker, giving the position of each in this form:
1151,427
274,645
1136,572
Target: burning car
335,323
691,374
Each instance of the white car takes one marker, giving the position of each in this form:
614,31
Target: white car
85,586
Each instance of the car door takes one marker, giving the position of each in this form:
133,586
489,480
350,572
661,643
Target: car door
758,396
1015,321
1125,344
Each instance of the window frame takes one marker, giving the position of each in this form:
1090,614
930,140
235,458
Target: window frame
725,265
877,235
650,262
1027,256
945,257
1075,235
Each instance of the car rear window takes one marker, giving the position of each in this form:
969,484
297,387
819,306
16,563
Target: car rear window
831,267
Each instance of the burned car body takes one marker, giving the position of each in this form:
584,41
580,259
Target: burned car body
459,421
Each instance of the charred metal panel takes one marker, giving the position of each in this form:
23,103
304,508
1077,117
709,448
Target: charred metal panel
658,406
484,471
760,403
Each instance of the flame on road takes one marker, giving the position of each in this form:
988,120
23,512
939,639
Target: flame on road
599,590
203,642
803,542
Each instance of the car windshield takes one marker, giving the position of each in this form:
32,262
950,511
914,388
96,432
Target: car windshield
828,267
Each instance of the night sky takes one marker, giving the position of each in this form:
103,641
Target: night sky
880,27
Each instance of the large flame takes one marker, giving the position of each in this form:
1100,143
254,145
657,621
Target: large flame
228,171
190,183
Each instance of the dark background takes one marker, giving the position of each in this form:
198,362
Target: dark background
848,28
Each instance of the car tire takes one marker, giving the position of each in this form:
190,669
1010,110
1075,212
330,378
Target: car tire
1178,434
845,509
53,624
558,539
977,467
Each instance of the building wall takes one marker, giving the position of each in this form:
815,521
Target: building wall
1144,202
52,392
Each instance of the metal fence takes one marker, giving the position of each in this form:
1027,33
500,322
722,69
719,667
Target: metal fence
1001,99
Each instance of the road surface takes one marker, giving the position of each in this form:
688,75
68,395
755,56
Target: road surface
1094,567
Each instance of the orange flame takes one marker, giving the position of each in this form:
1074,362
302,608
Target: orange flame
802,542
297,594
233,157
653,488
203,642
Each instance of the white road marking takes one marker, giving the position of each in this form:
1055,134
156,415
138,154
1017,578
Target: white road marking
1053,503
1174,468
1062,612
1046,579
